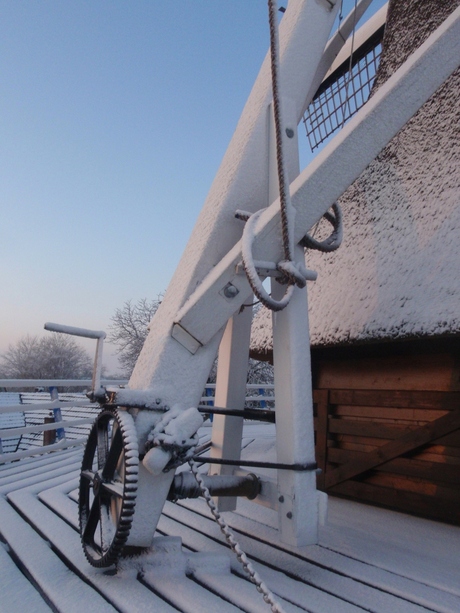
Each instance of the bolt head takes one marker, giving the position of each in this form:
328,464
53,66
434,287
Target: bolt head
230,291
97,482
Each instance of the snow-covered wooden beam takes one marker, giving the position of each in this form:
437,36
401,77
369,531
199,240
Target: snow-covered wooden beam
241,183
339,46
328,176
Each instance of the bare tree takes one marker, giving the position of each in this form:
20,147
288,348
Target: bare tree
55,356
260,372
129,329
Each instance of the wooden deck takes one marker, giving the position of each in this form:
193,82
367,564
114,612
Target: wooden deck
368,559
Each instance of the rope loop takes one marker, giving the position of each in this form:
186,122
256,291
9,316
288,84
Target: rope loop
251,271
293,274
334,240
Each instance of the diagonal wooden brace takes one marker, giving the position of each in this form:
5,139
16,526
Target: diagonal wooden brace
404,444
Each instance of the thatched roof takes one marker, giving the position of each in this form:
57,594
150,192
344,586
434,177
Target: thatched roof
397,273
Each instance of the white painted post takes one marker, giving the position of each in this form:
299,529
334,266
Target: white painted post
297,497
232,374
97,368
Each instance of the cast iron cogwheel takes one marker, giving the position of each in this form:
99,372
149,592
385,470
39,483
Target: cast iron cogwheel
108,486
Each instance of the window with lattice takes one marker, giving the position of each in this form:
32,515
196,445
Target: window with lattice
343,92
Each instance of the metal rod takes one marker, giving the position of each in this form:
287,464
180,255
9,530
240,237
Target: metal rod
257,414
84,332
310,466
18,383
186,486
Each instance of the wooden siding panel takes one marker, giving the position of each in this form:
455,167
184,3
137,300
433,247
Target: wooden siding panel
397,448
429,372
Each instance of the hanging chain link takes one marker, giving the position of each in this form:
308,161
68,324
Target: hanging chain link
235,546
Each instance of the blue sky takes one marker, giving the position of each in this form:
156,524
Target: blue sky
114,117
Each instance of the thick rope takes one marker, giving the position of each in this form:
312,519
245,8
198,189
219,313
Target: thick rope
332,242
292,274
285,197
235,546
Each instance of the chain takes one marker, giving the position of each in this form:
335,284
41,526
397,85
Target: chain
235,546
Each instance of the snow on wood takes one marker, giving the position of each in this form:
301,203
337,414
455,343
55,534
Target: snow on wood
59,584
17,592
395,275
70,413
128,595
10,420
348,580
407,565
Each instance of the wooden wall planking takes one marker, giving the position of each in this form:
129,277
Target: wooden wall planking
428,372
353,425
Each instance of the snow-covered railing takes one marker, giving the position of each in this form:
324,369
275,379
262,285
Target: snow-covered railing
256,393
58,425
83,383
264,392
56,406
15,408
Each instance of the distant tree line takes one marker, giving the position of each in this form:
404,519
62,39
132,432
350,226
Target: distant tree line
55,356
58,356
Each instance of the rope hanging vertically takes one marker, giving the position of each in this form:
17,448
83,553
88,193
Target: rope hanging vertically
292,273
285,197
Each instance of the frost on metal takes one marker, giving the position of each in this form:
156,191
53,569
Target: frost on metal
395,275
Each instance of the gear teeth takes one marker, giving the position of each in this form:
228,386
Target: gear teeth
93,552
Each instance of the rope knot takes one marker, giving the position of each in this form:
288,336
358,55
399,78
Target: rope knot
291,273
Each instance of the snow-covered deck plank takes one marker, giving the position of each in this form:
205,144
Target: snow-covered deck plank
298,593
368,558
326,575
15,589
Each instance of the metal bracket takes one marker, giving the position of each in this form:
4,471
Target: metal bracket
183,337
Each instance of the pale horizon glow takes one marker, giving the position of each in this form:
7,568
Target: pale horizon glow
115,117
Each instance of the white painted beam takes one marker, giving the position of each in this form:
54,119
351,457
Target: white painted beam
334,169
296,490
241,183
297,496
231,380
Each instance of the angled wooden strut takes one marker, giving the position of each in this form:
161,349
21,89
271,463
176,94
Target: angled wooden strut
313,192
404,444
